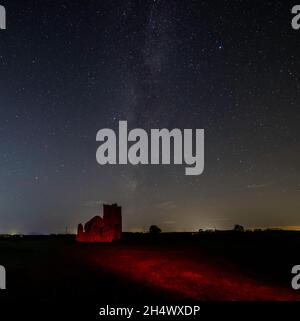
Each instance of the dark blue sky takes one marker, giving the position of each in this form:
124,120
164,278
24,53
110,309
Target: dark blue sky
68,69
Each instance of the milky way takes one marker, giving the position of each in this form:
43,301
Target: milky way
70,69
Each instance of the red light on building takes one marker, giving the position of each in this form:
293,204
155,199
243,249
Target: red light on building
106,229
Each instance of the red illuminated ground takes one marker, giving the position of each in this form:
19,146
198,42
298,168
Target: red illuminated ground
221,267
184,272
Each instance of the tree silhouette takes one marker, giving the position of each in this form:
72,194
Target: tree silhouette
238,228
154,229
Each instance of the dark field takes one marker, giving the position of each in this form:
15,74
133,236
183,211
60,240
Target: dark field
142,268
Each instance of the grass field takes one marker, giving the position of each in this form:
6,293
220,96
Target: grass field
221,266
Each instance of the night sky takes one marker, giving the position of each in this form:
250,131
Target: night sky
70,68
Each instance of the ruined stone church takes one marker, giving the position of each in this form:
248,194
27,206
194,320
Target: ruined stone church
102,229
